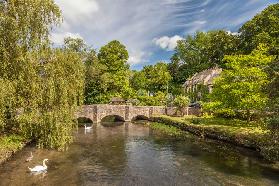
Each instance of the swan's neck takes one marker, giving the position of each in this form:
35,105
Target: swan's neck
44,164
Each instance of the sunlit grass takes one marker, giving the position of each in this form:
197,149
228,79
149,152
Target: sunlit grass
166,129
222,124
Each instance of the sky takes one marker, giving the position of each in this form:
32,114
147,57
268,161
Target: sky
150,29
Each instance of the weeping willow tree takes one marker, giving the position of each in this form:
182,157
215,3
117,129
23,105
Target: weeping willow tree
43,85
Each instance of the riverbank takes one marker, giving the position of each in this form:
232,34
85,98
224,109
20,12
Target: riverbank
250,135
9,145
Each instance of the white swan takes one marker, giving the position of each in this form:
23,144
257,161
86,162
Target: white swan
30,157
39,168
87,128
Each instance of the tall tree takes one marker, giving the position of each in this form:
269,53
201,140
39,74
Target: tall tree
114,57
263,28
47,84
96,79
177,72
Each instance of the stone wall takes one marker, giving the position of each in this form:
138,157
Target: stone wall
158,110
139,111
194,111
171,111
110,110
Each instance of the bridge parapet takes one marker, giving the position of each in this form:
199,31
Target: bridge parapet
98,111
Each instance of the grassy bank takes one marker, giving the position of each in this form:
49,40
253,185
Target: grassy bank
9,145
250,135
166,129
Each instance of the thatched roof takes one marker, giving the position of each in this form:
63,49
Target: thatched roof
205,77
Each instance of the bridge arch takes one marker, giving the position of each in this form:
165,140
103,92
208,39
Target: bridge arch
112,118
139,117
84,120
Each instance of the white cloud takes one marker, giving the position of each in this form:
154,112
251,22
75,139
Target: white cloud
74,10
167,43
138,57
58,38
135,59
136,23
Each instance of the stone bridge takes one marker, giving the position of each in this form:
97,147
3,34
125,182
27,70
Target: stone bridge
125,112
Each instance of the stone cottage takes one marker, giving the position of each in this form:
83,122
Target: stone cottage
201,83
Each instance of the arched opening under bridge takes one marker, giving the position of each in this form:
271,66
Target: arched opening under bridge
84,120
139,118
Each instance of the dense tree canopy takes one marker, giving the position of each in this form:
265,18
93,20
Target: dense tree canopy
201,51
263,28
157,76
107,74
240,86
115,56
139,82
151,84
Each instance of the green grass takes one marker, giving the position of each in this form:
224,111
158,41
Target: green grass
166,129
232,126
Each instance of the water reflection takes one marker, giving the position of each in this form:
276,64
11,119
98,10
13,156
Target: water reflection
112,124
133,154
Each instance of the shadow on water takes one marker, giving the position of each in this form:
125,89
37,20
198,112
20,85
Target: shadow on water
112,121
112,124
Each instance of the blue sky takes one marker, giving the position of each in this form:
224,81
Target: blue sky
150,28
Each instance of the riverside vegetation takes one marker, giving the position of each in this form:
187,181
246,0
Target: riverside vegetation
41,86
251,135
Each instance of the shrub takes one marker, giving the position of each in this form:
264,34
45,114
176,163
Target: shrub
181,102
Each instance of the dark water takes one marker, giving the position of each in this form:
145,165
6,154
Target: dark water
131,154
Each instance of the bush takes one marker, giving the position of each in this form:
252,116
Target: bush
159,99
196,121
273,123
181,102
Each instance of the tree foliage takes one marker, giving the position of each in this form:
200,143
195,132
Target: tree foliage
43,85
262,29
139,81
59,89
157,76
107,74
151,84
240,87
201,51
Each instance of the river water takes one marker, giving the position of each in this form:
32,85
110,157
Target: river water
133,154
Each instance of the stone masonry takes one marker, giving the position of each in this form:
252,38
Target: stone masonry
127,112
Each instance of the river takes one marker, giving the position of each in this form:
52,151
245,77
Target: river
133,154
